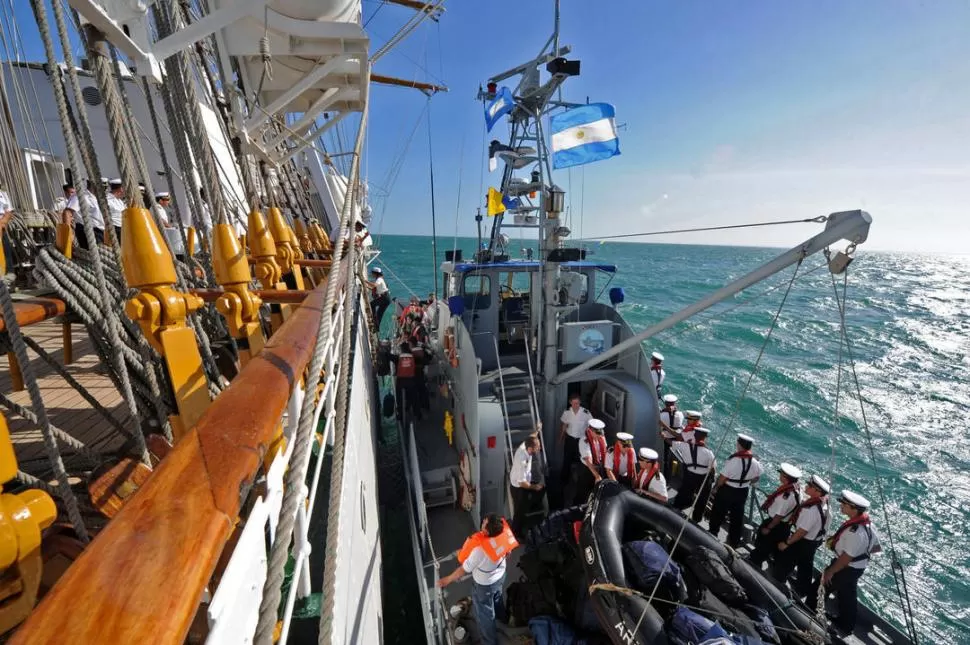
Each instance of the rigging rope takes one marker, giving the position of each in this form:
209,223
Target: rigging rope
434,225
895,565
64,489
821,219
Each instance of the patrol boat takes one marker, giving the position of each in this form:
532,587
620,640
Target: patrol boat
512,338
188,441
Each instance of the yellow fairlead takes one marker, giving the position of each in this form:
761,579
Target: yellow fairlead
306,247
268,271
239,306
287,248
22,519
160,310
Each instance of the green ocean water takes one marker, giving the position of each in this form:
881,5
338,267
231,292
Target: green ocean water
908,323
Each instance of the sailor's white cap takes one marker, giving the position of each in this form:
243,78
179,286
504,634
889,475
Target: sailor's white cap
854,499
624,436
794,472
693,414
162,195
745,438
670,398
820,484
701,430
104,181
376,270
115,182
649,454
657,356
597,425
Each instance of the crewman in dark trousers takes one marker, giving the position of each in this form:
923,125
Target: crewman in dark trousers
590,466
572,428
698,464
797,551
854,543
671,424
405,375
778,507
521,484
741,472
621,462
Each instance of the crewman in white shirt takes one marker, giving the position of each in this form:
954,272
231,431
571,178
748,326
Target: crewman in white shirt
483,555
693,421
698,463
621,462
797,551
590,465
6,214
73,208
671,425
741,471
520,480
381,299
61,202
116,204
650,481
853,543
778,507
572,428
657,373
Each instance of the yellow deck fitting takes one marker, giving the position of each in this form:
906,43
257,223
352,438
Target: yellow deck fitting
287,248
239,306
161,311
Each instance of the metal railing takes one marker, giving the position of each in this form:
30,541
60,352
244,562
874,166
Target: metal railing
534,405
505,407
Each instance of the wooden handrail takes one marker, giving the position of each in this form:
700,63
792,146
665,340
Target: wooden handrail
35,310
288,297
142,578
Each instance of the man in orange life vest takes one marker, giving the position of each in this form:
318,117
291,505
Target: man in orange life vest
621,463
779,507
853,543
797,551
483,555
650,481
590,469
741,471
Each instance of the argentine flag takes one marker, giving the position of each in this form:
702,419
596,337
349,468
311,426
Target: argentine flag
584,135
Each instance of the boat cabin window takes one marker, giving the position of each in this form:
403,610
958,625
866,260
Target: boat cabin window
573,288
476,289
514,283
610,405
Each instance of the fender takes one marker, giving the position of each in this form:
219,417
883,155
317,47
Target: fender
612,510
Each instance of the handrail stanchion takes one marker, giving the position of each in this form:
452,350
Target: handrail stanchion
535,406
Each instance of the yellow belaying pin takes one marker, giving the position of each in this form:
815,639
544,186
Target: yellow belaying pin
287,249
262,248
239,306
161,311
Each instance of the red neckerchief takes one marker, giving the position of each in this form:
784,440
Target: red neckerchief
691,425
781,490
808,503
597,445
743,454
631,467
860,520
646,476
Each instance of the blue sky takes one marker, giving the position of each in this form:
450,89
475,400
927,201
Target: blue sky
734,112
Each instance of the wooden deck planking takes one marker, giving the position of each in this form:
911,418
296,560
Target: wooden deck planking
65,407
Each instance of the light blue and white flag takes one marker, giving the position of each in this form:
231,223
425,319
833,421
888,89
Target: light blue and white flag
584,135
501,105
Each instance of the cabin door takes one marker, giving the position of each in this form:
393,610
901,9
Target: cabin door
479,291
611,405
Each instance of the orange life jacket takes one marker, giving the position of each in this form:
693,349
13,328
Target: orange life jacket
405,366
597,446
496,548
631,460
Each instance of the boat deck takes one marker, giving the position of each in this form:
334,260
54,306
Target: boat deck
66,408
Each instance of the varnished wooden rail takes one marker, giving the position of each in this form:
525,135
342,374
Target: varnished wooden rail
293,297
35,310
142,578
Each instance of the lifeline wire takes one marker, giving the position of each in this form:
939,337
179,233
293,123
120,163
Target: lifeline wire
821,219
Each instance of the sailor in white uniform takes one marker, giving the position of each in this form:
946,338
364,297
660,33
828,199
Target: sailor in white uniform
671,424
778,507
693,421
520,481
572,428
797,551
621,462
169,229
94,213
657,372
698,463
589,467
740,473
116,204
853,543
650,481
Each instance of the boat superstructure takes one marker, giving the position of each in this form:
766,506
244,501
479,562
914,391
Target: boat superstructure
513,338
240,504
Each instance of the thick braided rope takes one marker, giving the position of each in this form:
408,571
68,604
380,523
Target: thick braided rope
99,273
33,482
296,475
37,401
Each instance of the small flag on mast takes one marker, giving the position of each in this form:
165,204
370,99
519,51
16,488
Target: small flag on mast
583,135
502,104
496,203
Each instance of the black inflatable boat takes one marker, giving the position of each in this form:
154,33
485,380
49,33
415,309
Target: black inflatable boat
616,515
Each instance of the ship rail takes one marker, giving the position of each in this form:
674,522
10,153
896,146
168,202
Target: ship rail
534,405
144,577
